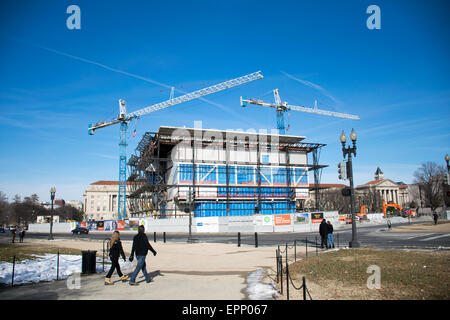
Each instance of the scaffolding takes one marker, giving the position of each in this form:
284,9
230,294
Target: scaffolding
168,178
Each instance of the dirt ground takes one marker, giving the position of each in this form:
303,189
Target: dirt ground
342,275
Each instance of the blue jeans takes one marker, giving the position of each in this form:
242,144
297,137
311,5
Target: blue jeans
330,240
140,266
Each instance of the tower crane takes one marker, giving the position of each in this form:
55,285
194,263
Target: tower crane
123,118
282,107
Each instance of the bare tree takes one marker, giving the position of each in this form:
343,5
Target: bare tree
370,198
34,198
430,176
333,200
3,208
17,198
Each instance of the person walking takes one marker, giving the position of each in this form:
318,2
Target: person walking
141,245
22,234
13,232
435,218
115,252
323,231
330,234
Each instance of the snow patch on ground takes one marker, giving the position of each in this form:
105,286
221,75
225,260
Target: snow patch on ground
256,289
43,268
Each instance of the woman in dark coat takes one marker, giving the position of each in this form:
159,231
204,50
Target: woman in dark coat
115,252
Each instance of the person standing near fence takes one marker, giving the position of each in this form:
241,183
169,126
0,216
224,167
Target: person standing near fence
141,245
22,234
330,234
13,233
115,251
323,231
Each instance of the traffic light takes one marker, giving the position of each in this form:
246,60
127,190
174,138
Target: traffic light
346,192
342,170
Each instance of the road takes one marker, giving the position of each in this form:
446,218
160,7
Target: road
368,236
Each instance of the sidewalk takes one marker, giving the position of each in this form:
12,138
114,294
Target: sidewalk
196,271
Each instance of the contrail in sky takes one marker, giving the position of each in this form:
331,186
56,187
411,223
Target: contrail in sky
314,86
101,65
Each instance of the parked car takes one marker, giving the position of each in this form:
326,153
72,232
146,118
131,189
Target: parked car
80,230
2,230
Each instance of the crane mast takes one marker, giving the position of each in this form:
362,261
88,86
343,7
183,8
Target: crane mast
283,107
123,118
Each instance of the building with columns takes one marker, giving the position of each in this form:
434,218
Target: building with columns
101,200
388,190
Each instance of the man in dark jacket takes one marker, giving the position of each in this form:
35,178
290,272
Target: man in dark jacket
141,247
323,231
435,218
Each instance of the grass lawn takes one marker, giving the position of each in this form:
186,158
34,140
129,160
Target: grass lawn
404,274
24,251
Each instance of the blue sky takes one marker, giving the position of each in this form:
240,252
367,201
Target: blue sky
395,79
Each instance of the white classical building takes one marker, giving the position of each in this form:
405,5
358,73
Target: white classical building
100,200
76,204
389,191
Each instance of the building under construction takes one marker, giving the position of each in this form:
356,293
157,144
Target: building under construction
178,170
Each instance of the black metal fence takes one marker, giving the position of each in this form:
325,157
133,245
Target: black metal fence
289,257
284,270
57,262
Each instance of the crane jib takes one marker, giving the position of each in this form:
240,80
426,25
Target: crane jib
196,94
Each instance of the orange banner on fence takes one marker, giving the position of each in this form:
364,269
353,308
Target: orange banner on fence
282,219
120,225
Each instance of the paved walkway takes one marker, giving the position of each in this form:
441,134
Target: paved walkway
195,271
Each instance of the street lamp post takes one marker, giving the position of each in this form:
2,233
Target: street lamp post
447,158
447,184
52,197
189,209
349,151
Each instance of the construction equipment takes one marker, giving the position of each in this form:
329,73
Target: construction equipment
392,205
283,107
362,212
410,213
123,118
